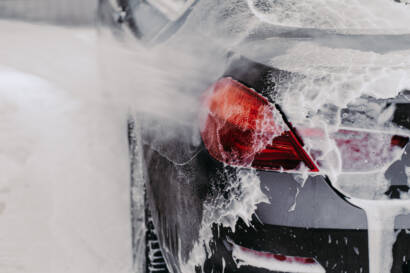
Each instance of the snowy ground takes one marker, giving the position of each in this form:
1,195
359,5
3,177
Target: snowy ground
64,179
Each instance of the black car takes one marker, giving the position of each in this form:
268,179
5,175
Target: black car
291,154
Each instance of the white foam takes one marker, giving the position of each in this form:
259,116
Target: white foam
372,16
380,219
244,193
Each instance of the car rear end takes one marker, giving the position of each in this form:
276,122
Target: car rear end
314,102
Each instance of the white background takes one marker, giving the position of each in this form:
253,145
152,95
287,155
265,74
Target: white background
64,169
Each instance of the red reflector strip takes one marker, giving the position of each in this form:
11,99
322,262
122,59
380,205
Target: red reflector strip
279,257
399,141
275,262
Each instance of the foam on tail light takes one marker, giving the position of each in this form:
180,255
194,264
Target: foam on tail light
241,128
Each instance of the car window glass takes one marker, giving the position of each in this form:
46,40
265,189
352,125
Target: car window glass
172,9
148,19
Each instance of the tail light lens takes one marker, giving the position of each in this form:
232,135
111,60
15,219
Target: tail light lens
241,128
367,151
359,150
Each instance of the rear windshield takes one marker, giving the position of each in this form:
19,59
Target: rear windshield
172,9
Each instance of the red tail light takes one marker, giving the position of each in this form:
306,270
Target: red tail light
366,151
360,150
241,128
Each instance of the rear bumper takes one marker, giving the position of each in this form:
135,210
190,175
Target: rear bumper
312,221
335,250
315,204
312,205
